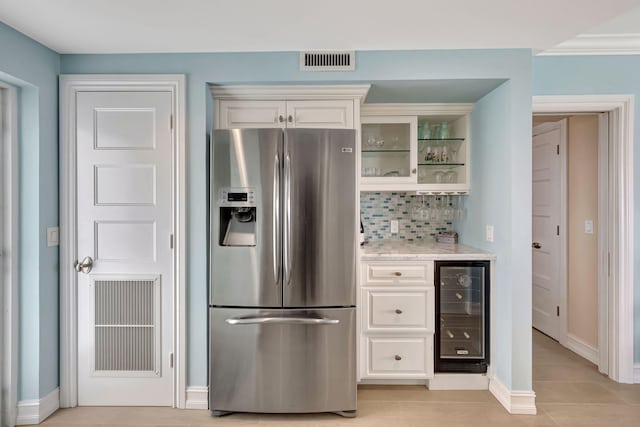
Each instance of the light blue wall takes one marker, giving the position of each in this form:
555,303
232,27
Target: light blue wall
501,141
33,69
511,103
589,75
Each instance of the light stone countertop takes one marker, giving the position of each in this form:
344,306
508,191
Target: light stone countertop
402,250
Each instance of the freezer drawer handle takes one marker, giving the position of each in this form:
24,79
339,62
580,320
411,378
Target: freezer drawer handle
282,321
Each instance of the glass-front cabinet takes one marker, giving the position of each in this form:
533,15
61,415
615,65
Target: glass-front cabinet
388,152
425,149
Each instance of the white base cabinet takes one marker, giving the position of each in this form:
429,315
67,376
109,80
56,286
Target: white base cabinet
397,310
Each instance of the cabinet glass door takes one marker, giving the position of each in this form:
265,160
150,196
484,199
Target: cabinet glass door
388,149
462,312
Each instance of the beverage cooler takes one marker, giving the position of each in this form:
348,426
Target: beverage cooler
462,316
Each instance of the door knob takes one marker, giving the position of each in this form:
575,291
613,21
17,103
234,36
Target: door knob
398,311
397,357
281,118
290,118
536,245
85,266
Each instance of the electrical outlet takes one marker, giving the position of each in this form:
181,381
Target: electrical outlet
53,236
394,226
489,233
588,226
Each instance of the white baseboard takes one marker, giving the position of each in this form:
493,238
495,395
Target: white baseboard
515,402
636,373
378,381
583,349
459,382
197,398
37,410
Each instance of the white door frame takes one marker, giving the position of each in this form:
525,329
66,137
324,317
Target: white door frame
9,245
70,85
620,234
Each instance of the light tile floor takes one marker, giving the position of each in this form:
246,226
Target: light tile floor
570,392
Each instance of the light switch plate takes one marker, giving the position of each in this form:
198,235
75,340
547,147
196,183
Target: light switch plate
489,233
394,226
53,236
588,226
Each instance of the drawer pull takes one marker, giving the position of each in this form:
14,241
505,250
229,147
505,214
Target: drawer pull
397,273
466,335
450,334
398,311
458,295
397,357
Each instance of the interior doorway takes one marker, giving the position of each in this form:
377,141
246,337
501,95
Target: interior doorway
570,189
618,296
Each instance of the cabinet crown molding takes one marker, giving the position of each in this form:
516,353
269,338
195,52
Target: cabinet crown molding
415,109
289,92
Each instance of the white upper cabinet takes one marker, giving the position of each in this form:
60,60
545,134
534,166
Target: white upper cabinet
326,107
326,114
416,147
251,114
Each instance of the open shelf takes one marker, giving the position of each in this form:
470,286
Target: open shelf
444,165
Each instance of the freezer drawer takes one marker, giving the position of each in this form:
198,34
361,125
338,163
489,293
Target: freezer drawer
282,360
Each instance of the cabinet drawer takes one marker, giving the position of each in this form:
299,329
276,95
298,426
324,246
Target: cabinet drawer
406,274
398,357
399,310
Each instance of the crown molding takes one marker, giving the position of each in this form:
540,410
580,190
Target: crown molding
289,92
597,44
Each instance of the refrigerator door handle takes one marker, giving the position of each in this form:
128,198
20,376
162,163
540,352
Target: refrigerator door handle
287,219
274,320
276,220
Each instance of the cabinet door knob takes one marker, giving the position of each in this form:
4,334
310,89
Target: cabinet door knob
413,171
290,118
397,273
397,357
281,118
398,311
458,295
536,245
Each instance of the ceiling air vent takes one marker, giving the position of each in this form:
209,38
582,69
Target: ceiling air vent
328,61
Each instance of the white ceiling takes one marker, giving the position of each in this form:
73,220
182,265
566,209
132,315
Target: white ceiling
628,23
116,26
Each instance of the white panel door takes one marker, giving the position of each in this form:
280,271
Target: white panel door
547,138
124,199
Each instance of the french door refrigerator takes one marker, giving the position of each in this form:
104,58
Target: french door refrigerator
282,271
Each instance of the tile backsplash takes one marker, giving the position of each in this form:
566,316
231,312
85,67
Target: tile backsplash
378,209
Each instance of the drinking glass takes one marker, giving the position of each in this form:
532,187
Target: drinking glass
444,131
451,177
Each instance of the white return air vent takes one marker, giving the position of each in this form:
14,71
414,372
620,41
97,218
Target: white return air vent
328,61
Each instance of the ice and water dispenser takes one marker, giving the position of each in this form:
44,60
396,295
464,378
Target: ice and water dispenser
237,216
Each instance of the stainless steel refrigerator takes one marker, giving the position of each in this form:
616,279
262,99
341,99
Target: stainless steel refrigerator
282,271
